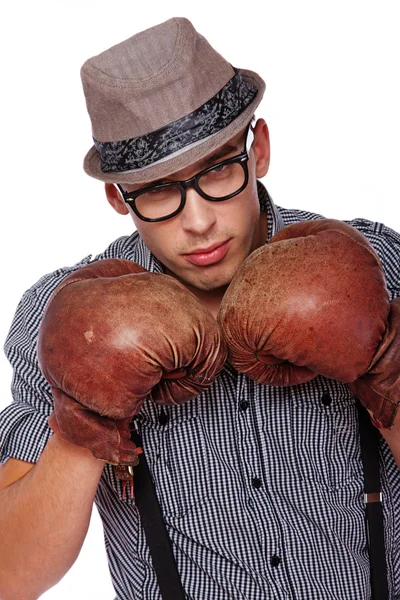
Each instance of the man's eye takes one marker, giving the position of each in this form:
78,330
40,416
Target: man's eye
220,168
159,194
220,172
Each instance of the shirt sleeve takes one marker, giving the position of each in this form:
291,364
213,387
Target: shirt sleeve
24,429
386,243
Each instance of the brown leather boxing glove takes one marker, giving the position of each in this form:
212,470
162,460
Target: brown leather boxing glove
379,388
312,301
112,335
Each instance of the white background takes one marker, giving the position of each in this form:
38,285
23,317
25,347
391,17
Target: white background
332,104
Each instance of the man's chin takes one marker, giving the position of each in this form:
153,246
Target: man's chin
208,283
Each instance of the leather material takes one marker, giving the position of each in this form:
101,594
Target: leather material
312,301
107,439
113,335
379,388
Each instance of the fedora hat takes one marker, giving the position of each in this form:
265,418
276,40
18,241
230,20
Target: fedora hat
162,100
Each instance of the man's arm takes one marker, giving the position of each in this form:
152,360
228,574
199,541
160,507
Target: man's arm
45,511
12,470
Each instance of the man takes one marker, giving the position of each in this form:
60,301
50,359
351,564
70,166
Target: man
260,487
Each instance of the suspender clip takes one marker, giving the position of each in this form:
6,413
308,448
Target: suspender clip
372,497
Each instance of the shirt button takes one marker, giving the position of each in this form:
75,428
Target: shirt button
326,399
244,405
256,483
275,560
163,418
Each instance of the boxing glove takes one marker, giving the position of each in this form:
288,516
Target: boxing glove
312,301
113,335
379,388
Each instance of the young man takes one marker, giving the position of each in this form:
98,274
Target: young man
260,487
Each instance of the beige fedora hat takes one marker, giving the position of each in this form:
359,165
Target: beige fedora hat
162,100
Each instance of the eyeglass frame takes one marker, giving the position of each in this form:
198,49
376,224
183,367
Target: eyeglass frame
242,159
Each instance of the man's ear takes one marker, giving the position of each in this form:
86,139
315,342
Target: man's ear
115,199
261,148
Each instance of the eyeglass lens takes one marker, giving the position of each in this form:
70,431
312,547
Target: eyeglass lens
216,183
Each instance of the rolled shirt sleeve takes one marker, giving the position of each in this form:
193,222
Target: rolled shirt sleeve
24,429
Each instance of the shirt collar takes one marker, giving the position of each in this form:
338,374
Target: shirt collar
274,219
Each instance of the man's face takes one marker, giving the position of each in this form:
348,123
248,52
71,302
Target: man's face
205,243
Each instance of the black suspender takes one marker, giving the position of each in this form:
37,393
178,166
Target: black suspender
369,439
154,527
160,545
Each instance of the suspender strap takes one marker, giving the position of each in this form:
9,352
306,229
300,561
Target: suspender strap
369,438
160,545
156,535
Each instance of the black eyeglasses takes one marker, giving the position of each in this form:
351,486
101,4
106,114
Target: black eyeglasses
217,183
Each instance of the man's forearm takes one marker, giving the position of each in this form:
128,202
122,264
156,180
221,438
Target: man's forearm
44,519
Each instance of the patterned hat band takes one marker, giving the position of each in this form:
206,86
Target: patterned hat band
145,151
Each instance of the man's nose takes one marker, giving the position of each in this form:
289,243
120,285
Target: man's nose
198,215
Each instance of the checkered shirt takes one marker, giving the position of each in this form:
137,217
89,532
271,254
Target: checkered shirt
261,488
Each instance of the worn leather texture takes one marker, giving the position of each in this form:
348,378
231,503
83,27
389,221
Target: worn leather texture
113,335
379,388
313,301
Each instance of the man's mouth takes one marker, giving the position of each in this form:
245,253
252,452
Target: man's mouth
203,257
